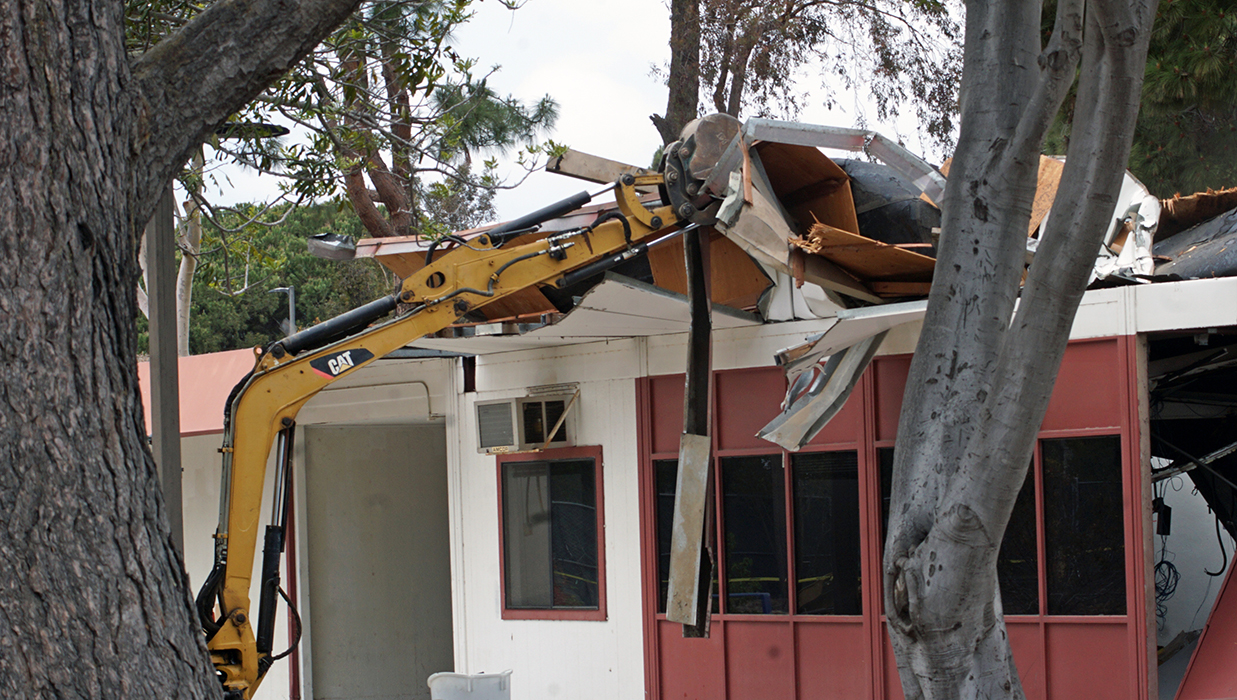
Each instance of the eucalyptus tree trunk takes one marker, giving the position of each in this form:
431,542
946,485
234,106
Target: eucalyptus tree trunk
683,81
93,596
191,245
979,384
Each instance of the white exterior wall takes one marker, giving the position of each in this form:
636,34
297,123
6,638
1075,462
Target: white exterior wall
552,658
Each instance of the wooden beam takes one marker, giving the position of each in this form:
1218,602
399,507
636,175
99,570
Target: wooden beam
590,168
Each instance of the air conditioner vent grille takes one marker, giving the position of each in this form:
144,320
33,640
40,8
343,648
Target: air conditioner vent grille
495,425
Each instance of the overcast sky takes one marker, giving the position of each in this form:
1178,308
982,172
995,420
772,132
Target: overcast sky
595,60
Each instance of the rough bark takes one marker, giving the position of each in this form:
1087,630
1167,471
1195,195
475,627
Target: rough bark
979,385
684,78
93,597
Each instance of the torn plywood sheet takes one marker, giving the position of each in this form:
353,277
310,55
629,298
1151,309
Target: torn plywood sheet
809,186
734,278
866,258
761,230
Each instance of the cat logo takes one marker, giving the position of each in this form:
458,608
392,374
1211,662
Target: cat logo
341,363
335,364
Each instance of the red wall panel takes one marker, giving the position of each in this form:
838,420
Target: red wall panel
833,661
760,660
889,375
1027,641
666,395
746,401
1088,389
1088,661
691,669
847,425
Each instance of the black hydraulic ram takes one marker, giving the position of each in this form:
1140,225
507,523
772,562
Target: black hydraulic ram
342,325
499,234
273,549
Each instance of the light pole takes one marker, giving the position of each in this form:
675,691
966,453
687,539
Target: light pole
291,292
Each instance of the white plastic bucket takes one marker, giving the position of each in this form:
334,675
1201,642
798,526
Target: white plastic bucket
462,686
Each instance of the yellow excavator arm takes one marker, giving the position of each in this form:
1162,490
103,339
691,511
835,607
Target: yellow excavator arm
263,408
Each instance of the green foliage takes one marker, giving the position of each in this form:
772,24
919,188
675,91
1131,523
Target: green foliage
385,98
1186,136
223,319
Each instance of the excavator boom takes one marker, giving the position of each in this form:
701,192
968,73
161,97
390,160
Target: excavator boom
263,408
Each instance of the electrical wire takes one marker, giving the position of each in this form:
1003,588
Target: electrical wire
1166,574
1223,551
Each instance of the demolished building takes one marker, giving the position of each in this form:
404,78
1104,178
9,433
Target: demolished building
525,460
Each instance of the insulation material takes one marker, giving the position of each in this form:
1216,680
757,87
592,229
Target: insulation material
1127,245
1180,213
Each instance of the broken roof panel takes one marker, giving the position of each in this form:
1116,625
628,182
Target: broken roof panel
1206,250
619,307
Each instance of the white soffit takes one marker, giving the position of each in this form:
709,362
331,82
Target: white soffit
617,308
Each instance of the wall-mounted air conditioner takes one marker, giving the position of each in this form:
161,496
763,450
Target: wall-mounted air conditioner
525,424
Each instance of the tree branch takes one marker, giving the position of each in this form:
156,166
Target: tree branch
195,78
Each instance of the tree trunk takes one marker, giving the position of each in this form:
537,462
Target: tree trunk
94,601
684,79
191,246
979,385
93,596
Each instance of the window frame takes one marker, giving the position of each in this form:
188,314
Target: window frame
599,614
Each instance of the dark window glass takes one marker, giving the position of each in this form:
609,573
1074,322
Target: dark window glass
554,411
827,571
550,534
884,455
754,519
1018,562
534,426
666,472
1084,526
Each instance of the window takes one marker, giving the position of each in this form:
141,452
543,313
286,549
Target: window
827,573
1083,522
552,535
759,561
1084,526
